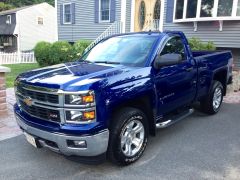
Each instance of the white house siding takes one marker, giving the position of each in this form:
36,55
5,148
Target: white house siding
209,31
30,32
85,26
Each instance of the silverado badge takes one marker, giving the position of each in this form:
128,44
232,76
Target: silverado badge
28,101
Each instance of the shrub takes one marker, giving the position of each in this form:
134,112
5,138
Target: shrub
79,47
61,52
43,53
196,44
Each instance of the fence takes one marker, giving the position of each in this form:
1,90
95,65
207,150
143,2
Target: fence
17,58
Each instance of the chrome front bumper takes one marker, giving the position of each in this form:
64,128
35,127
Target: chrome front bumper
96,144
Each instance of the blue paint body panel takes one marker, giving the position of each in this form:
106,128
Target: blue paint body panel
167,89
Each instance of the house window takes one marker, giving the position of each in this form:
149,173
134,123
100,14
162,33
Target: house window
9,19
67,14
238,8
142,15
179,9
207,8
105,10
225,7
192,8
40,20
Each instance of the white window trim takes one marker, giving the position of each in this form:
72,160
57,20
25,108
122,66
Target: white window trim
42,19
100,15
213,18
10,19
64,13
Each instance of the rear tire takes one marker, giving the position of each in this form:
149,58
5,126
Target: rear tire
128,136
212,103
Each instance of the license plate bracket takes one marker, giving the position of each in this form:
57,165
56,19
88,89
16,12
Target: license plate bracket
31,140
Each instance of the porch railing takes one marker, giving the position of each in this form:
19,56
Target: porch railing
153,25
17,58
115,28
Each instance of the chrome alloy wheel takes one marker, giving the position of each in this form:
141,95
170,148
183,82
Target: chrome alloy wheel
217,98
132,138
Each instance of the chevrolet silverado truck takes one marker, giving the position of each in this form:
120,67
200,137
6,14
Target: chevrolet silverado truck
120,92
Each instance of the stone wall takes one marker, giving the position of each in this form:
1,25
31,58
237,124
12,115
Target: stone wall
3,103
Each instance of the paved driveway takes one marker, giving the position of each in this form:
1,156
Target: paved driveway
199,147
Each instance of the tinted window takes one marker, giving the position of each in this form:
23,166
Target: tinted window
179,9
174,46
207,8
192,9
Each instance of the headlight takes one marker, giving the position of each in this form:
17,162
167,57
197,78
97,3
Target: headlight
79,117
79,99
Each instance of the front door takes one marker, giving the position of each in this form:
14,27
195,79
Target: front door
147,15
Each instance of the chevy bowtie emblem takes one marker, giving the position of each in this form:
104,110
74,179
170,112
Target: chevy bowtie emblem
28,101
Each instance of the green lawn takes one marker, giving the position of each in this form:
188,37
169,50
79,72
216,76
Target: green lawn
17,69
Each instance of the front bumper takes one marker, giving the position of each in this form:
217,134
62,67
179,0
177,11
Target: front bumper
96,144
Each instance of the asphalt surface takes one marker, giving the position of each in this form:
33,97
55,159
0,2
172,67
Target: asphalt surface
199,147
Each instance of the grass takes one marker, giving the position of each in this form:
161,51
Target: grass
17,69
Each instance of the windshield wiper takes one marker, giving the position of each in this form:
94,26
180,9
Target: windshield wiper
107,62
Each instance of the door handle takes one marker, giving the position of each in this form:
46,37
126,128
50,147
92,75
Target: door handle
189,69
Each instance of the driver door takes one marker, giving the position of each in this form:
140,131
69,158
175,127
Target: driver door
175,85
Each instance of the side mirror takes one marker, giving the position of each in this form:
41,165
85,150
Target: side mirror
167,60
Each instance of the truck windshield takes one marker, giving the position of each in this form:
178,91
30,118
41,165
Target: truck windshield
127,50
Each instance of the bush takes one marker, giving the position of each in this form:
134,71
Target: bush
49,54
79,48
196,45
43,53
61,52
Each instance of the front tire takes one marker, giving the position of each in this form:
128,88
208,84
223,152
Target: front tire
212,103
128,136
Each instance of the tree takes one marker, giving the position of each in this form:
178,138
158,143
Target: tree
4,7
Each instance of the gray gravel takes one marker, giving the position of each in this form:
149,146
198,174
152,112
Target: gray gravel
200,147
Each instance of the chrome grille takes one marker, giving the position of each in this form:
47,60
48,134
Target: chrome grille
48,98
39,102
40,112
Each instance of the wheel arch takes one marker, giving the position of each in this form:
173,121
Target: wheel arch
143,103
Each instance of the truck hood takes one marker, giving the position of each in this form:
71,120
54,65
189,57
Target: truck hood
66,76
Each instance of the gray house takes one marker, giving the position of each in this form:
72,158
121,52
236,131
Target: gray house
209,20
22,28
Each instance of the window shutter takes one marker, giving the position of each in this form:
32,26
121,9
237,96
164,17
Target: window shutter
96,11
113,11
61,14
169,13
73,13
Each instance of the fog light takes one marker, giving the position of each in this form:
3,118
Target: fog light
77,144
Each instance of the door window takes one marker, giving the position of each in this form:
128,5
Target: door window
174,46
142,14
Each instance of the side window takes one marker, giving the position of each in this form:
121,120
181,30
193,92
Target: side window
104,10
67,14
174,46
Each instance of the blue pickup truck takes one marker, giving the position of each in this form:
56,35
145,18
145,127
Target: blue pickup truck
120,92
